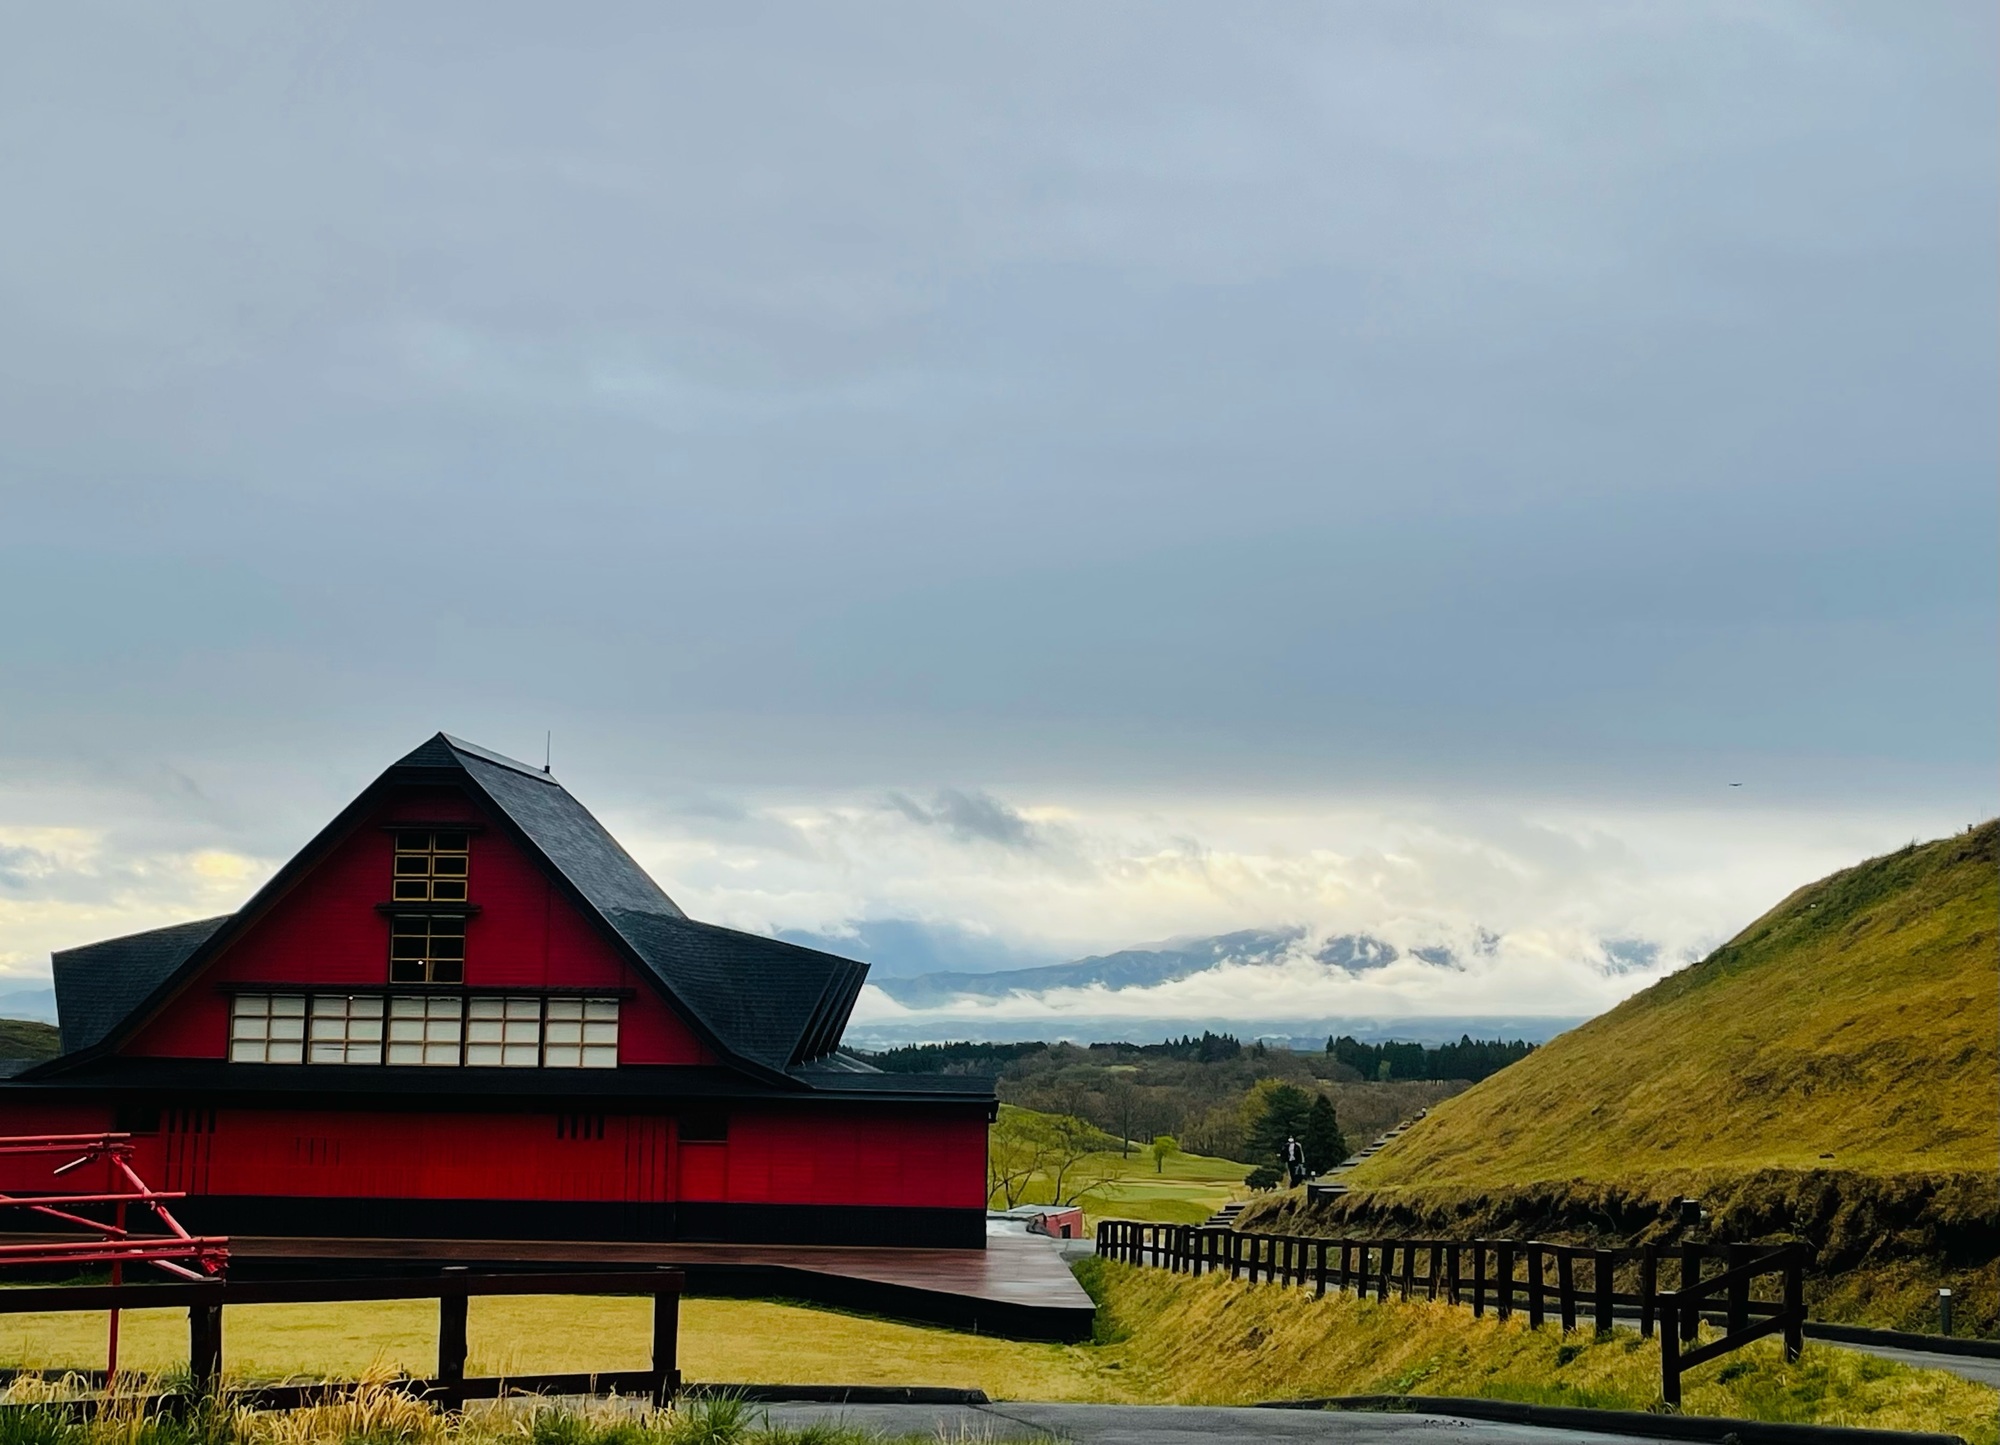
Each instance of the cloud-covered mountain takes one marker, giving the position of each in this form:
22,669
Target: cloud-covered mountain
1141,968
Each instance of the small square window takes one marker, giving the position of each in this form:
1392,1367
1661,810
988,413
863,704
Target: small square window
267,1028
581,1034
345,1029
427,1031
431,867
426,949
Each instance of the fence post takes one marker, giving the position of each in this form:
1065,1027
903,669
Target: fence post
1604,1283
1431,1287
1387,1260
1670,1363
1795,1303
1535,1303
1319,1269
204,1347
1409,1268
1566,1286
1503,1277
1451,1272
1478,1278
1739,1293
1235,1254
666,1346
1688,1305
1346,1265
1649,1290
451,1332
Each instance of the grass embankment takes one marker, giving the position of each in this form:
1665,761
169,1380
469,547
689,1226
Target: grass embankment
1833,1073
1215,1341
1162,1338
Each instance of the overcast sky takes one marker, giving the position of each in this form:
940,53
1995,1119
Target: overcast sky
1070,475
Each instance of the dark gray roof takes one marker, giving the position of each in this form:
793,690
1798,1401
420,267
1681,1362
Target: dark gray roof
759,1002
98,985
568,836
771,1000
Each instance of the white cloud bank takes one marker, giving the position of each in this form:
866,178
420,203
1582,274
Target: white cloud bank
1061,876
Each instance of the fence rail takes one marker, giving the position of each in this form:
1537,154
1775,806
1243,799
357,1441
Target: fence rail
1537,1278
452,1289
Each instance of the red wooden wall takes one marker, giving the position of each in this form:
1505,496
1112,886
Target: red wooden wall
880,1155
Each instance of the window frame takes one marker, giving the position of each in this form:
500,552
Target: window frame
411,1026
432,871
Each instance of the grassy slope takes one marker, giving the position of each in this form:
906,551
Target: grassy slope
27,1039
1857,1019
1164,1338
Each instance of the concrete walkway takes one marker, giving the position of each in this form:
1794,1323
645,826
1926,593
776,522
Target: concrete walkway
1187,1424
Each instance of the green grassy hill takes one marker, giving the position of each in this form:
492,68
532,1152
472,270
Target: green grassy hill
26,1039
1853,1027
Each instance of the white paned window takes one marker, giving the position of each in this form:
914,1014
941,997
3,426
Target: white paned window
425,1030
267,1028
582,1033
345,1029
504,1031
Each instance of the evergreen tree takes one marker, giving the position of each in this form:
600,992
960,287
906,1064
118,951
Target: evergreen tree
1286,1108
1325,1147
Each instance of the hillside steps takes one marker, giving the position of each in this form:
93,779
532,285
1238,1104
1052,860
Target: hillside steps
1328,1185
1225,1217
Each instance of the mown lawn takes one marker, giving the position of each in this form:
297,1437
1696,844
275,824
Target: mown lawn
1185,1189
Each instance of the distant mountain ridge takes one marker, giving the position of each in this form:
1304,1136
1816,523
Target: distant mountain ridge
1151,967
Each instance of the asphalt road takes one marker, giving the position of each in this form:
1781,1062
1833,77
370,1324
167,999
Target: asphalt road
1167,1424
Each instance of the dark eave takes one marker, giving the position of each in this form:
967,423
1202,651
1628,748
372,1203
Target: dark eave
186,1082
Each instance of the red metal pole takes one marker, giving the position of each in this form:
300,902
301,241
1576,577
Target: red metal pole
117,1278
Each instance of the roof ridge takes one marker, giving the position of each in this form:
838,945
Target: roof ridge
489,756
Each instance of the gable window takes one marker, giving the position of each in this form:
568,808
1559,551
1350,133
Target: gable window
582,1034
514,1031
505,1032
267,1028
431,866
426,948
345,1029
426,1030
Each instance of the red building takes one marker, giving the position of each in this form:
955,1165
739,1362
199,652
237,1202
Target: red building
463,1011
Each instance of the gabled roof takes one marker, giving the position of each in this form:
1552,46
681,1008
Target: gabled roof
767,1006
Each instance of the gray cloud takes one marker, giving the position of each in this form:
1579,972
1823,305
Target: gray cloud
971,817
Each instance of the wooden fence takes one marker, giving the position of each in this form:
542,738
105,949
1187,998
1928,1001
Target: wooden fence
452,1289
1541,1280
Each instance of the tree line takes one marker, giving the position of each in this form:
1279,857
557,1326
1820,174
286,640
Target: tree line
1469,1059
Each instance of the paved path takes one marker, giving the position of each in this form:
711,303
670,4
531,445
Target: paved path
1185,1424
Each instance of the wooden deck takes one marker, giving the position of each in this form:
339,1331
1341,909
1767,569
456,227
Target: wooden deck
1018,1286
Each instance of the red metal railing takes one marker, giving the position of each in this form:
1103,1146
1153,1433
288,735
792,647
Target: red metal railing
109,1242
